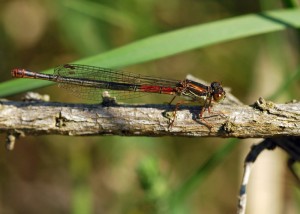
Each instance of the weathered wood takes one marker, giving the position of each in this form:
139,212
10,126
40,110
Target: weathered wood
263,119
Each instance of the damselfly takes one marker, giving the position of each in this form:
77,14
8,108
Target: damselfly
88,81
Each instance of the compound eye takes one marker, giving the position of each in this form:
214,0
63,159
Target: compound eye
219,96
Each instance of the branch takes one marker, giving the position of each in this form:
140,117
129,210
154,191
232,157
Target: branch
263,119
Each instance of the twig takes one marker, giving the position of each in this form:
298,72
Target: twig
264,119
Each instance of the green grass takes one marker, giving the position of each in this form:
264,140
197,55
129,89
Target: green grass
170,43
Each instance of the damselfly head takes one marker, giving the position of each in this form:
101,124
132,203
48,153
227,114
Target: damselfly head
218,92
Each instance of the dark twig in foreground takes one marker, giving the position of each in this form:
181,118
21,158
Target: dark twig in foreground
289,144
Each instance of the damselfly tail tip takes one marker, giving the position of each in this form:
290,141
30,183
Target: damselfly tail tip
17,72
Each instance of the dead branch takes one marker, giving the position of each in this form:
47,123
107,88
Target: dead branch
261,120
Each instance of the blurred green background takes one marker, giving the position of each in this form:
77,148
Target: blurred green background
114,174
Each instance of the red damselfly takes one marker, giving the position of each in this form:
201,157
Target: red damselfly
86,81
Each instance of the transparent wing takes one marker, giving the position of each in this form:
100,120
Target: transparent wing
86,72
